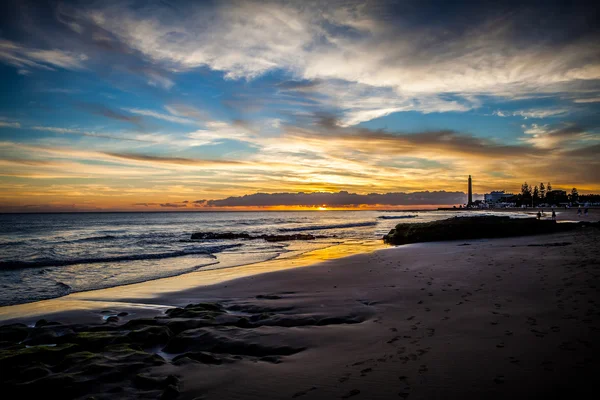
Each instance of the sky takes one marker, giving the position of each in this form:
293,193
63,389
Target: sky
209,105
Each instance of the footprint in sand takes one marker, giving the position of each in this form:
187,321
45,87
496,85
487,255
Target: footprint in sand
423,369
344,378
302,393
410,318
365,371
499,379
405,393
500,345
351,393
514,360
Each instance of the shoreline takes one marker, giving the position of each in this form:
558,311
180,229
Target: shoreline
144,297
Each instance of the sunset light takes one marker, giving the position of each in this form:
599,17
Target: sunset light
299,199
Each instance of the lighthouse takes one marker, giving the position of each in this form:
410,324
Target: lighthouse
470,202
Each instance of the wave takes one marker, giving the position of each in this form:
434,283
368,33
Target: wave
397,216
325,227
50,262
94,238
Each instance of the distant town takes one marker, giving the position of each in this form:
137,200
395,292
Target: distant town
542,195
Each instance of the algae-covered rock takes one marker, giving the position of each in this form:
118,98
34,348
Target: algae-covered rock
477,227
150,336
13,332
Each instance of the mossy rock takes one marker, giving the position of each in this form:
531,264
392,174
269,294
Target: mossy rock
150,336
27,356
13,333
476,227
97,340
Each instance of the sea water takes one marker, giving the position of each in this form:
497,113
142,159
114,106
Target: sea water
50,255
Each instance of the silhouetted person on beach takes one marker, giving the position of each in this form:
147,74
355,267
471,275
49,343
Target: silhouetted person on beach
585,212
579,211
553,215
539,215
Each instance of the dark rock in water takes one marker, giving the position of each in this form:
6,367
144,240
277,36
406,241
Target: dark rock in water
472,228
112,319
268,297
219,235
247,236
122,314
286,238
13,332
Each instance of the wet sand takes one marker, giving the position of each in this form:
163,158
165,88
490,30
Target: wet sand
516,317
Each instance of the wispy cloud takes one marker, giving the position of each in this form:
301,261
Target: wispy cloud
158,115
534,113
24,57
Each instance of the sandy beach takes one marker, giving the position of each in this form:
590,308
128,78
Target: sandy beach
500,318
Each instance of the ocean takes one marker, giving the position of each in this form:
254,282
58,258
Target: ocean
46,256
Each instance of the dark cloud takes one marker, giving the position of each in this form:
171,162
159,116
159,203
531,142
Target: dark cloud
340,199
99,109
173,205
379,141
199,201
584,152
172,160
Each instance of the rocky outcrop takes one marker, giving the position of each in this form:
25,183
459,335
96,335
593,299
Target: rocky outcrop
247,236
461,228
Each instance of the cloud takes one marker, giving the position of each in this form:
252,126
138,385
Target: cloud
534,113
588,100
154,114
553,136
104,111
22,57
340,199
6,124
173,205
173,160
406,65
79,132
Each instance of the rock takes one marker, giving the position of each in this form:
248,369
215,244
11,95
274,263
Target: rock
147,382
27,356
268,238
221,236
141,322
112,319
122,314
171,392
14,332
150,336
477,227
95,341
201,357
227,341
179,325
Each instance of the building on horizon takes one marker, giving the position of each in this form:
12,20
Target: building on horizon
498,198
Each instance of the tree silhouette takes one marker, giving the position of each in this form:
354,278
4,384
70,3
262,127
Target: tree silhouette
574,195
542,191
